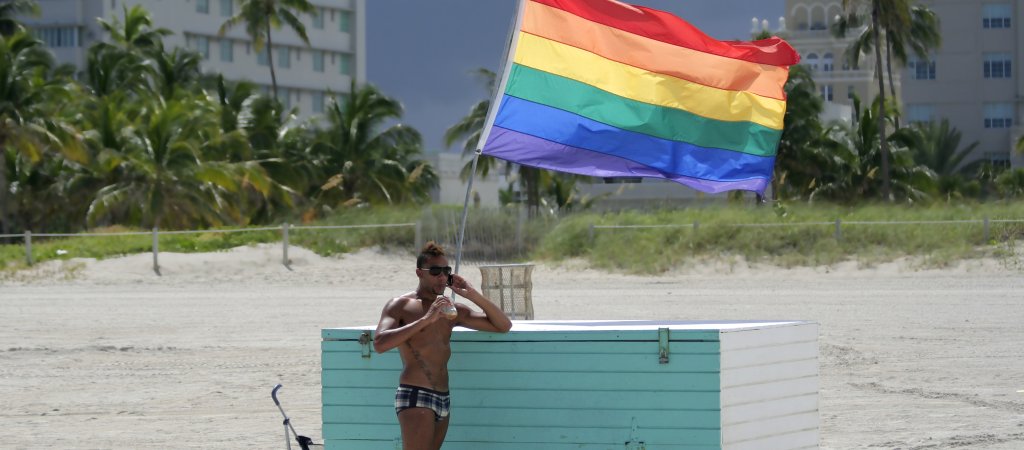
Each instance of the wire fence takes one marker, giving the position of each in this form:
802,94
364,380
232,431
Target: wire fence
986,224
285,229
492,237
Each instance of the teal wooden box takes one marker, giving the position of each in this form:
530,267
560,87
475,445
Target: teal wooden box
593,385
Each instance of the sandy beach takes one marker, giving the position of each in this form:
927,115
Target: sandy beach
105,354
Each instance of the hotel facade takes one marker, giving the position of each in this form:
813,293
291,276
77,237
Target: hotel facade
306,74
973,79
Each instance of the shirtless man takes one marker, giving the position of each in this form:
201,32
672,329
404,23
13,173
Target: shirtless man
417,325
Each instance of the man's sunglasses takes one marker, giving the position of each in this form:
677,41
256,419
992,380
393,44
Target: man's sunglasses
437,270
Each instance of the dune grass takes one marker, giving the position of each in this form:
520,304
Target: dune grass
791,235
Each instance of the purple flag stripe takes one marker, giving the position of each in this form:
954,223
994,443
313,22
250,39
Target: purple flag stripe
532,151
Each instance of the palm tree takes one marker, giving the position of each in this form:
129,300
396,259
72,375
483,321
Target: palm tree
255,132
31,93
232,96
260,16
875,11
175,72
937,146
902,26
10,9
469,129
122,65
136,33
850,173
921,35
798,159
364,161
159,177
906,28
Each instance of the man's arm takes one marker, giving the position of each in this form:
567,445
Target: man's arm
492,319
389,335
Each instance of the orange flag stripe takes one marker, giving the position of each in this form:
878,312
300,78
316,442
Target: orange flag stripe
652,55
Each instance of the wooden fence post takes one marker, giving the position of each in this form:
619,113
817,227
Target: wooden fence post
284,245
156,252
28,247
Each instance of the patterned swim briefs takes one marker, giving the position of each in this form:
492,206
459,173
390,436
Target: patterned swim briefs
408,396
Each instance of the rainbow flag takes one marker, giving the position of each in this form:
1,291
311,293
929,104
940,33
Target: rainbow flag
606,89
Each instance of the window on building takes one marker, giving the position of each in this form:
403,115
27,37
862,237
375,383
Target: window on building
920,114
318,19
284,95
345,23
998,115
345,66
203,6
921,69
999,160
227,8
262,57
996,15
201,44
55,37
812,62
284,57
826,92
826,63
318,102
318,60
227,50
997,65
850,92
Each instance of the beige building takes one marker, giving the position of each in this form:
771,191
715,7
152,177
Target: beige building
806,26
305,74
973,80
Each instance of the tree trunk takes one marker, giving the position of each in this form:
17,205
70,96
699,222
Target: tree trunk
886,189
270,61
531,184
892,84
5,227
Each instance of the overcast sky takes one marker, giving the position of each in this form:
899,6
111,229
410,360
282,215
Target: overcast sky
422,52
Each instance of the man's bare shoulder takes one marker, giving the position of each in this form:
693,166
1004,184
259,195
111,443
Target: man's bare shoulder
400,302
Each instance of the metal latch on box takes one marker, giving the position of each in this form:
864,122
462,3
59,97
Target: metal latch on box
364,341
663,345
634,442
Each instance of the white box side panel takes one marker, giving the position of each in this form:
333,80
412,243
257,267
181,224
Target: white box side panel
801,440
762,356
750,412
768,373
740,339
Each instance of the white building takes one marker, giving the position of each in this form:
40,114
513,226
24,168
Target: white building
305,74
452,189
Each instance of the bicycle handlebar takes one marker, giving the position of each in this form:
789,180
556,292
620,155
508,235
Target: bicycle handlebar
273,394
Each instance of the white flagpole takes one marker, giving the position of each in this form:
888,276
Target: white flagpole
492,111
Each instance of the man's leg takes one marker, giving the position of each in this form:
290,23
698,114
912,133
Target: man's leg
440,430
417,428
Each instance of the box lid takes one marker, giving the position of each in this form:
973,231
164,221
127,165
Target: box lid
592,330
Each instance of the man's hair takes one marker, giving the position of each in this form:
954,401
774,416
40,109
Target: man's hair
429,251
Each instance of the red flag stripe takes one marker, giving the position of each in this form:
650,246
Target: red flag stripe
665,27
